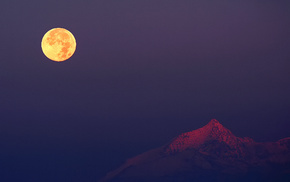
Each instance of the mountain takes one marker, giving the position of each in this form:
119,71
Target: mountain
210,153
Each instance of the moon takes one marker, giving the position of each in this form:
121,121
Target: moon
58,44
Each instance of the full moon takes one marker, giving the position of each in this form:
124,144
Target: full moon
58,44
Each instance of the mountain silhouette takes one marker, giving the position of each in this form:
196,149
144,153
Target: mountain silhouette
210,153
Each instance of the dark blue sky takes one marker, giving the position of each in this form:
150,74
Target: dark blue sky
143,72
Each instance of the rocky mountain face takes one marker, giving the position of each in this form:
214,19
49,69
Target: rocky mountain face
210,153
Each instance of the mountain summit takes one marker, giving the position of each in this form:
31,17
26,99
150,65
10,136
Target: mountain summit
210,153
193,139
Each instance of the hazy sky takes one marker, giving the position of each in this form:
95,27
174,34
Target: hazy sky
143,72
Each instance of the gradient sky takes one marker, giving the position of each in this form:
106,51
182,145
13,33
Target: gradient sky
143,72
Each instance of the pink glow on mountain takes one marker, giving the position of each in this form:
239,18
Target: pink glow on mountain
212,131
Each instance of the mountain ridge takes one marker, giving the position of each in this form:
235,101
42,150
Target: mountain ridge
210,151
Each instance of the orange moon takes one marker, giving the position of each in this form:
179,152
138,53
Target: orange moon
58,44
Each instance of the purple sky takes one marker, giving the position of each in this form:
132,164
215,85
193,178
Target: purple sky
143,72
